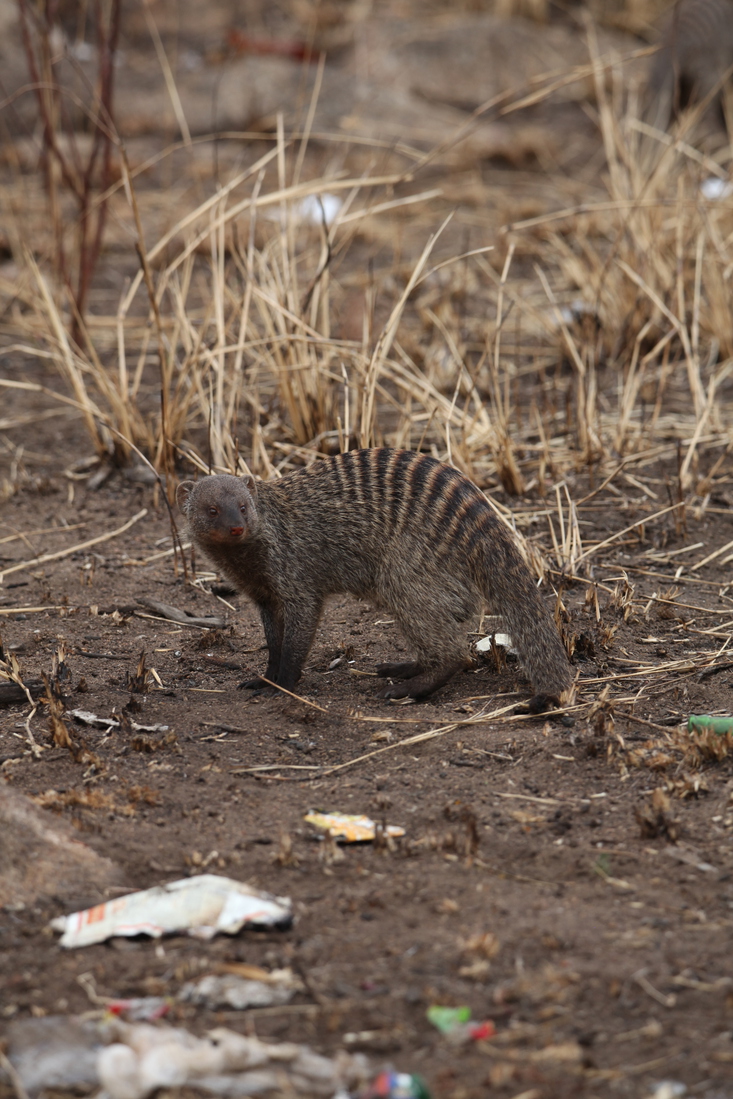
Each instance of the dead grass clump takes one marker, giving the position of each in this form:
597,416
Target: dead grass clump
687,750
75,116
75,799
655,818
707,746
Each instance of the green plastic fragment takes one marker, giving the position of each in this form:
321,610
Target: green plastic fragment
698,723
446,1019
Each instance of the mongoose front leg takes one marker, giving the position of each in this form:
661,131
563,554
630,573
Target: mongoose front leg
405,669
422,685
273,625
299,627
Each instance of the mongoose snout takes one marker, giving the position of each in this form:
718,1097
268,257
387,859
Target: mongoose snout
224,518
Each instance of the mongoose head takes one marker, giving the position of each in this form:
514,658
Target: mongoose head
221,510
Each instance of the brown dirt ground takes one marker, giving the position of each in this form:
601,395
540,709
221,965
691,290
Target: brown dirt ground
613,968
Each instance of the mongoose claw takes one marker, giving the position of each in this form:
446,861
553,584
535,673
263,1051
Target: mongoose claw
395,693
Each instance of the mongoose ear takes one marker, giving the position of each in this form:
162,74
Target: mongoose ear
251,485
183,492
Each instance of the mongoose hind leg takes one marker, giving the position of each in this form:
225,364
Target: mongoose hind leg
422,685
404,669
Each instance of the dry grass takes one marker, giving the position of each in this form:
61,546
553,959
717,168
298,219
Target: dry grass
597,339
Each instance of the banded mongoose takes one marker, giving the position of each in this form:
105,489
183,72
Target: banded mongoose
694,58
407,532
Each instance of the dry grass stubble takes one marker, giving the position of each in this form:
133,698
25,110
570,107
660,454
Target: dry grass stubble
591,338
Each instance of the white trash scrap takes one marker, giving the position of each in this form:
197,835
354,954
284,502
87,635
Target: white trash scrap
714,188
239,991
201,907
130,1061
503,640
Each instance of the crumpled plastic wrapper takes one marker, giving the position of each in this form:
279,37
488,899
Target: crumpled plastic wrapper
350,828
201,907
132,1060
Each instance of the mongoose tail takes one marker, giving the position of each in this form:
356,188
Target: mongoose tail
513,593
409,533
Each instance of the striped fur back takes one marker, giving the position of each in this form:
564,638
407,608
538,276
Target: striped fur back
399,492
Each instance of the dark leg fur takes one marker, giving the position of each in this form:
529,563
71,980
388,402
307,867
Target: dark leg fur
405,669
299,627
273,625
289,635
422,685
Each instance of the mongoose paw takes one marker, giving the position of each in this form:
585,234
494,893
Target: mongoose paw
255,684
424,683
405,669
225,590
540,703
417,687
265,691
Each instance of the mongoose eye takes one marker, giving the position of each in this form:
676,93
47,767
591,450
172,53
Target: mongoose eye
213,511
243,509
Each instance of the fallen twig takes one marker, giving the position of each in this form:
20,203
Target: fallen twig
13,692
709,672
33,610
109,723
648,987
620,533
173,614
224,727
73,549
298,698
418,738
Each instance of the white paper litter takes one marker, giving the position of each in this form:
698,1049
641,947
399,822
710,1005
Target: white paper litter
668,1089
318,208
501,639
232,990
573,313
714,187
88,718
201,907
313,209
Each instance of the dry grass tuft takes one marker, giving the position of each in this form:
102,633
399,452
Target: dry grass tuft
596,338
686,751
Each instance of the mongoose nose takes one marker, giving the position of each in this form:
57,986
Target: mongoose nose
236,531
